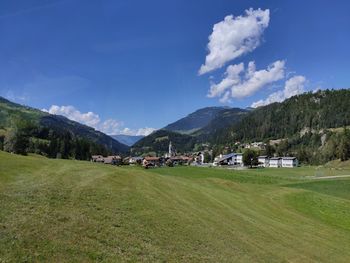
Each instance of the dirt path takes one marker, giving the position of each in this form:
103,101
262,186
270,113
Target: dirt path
331,177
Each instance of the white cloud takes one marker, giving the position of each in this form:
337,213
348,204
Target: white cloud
240,83
142,131
89,118
235,36
232,78
109,126
293,86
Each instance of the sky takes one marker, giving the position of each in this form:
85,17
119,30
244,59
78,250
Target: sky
129,67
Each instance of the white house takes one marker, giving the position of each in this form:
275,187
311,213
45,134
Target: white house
263,161
290,162
135,160
97,158
275,162
229,159
113,159
239,159
198,158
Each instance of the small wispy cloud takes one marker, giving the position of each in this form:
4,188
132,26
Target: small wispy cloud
293,86
11,95
30,9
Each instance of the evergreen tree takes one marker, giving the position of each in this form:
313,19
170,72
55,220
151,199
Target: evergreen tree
344,146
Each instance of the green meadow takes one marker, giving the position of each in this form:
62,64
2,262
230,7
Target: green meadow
74,211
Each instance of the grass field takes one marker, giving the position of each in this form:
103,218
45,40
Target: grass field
70,211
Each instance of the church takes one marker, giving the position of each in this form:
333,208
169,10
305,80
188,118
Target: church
171,151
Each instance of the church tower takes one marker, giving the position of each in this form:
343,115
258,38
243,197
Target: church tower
170,149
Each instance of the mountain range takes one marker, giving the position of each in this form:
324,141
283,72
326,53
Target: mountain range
306,124
194,121
47,129
310,125
197,127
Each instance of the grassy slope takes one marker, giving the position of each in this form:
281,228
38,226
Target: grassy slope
60,210
9,111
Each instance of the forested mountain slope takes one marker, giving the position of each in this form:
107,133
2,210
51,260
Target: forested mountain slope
299,114
195,121
158,142
309,126
25,129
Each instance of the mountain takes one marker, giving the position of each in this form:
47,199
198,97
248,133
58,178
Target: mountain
224,118
128,140
53,134
63,124
194,121
314,127
158,142
311,126
309,112
198,127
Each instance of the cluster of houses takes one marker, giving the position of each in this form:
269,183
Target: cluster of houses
252,145
170,159
236,159
115,159
149,160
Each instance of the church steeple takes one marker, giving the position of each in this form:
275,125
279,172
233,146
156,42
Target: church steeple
170,149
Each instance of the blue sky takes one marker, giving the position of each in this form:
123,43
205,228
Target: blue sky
124,65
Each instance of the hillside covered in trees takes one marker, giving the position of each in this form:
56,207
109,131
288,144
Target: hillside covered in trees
24,129
303,113
211,120
158,142
311,126
195,121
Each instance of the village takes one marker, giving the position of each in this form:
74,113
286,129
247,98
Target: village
171,158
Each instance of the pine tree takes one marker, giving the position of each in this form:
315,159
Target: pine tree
344,146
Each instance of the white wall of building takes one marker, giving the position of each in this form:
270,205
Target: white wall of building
288,162
263,161
275,163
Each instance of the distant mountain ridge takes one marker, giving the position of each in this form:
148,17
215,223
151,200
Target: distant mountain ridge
158,142
59,122
128,140
194,121
196,128
224,118
42,122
